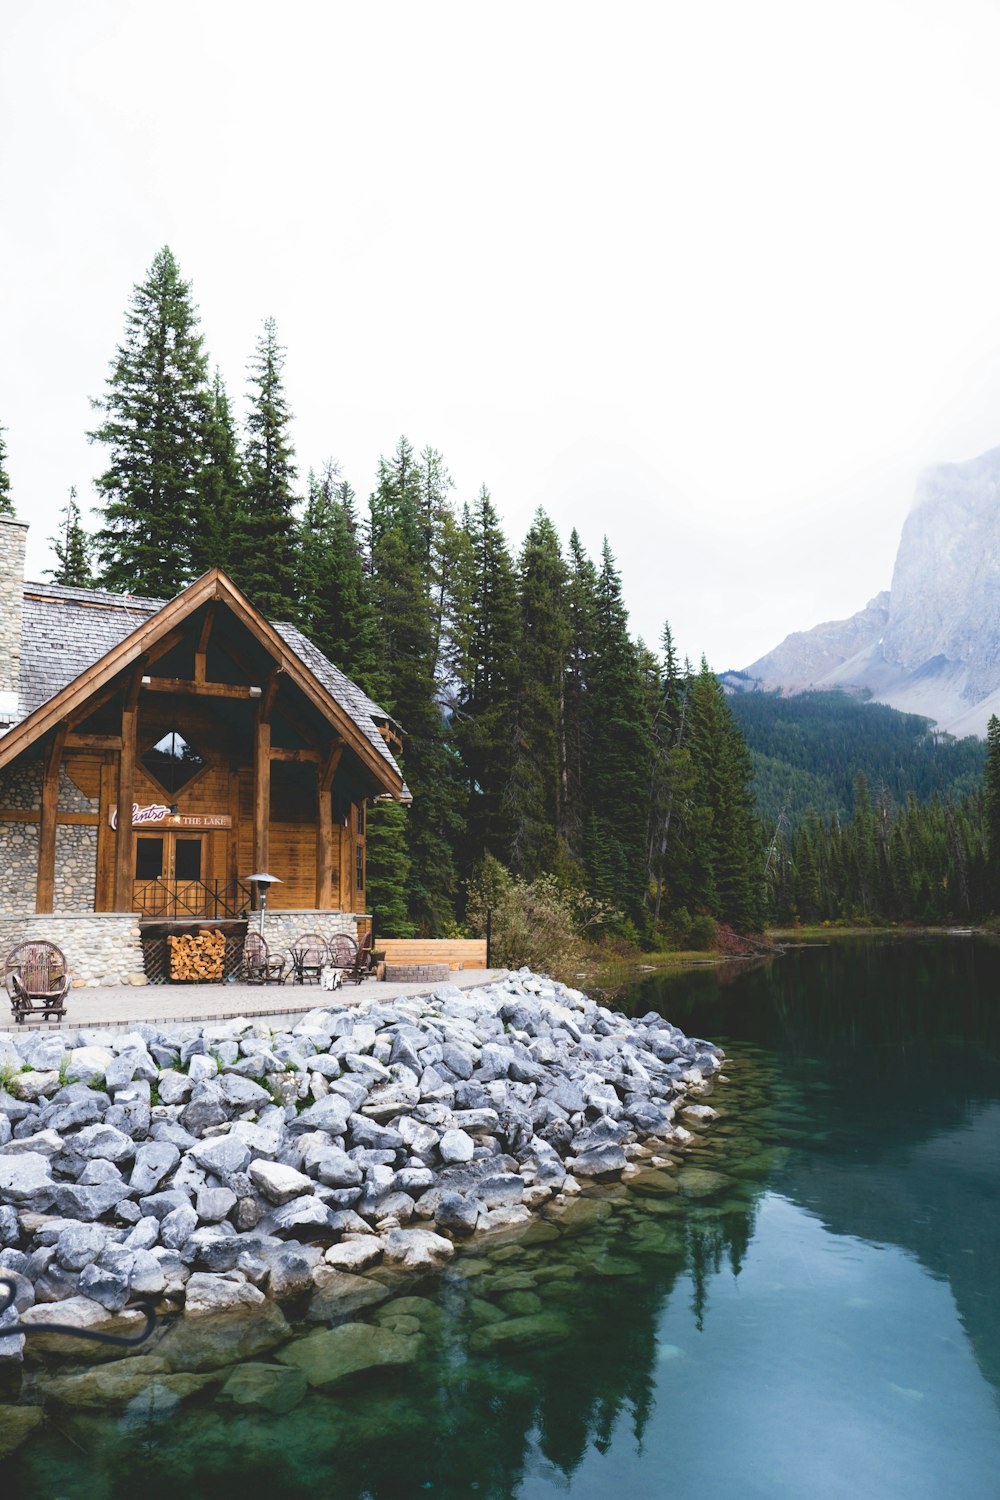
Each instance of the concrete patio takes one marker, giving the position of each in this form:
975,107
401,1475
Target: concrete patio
124,1005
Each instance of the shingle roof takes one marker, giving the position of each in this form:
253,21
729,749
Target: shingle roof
66,630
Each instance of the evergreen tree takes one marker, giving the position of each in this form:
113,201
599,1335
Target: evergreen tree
6,503
534,799
488,650
620,755
155,411
576,720
215,541
407,685
266,564
335,606
72,547
733,847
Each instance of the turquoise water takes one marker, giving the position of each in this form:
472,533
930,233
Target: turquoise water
814,1315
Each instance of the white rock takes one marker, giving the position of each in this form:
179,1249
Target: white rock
279,1183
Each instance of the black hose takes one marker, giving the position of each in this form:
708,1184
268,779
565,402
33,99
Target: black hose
8,1291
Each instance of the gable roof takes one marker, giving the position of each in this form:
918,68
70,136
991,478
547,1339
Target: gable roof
74,640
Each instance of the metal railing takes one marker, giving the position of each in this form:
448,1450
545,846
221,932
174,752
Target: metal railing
190,898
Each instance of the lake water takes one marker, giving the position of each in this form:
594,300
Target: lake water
815,1315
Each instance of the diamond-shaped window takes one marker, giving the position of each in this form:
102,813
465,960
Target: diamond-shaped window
173,761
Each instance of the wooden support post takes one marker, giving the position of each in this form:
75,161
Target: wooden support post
347,861
202,644
124,871
324,828
262,777
45,888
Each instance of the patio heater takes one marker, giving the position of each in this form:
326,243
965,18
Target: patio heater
262,882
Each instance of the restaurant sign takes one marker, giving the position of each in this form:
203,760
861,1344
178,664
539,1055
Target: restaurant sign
158,813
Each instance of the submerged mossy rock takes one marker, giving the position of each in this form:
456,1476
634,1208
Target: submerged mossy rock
16,1424
340,1295
520,1333
333,1354
702,1182
654,1183
106,1385
225,1339
261,1387
577,1214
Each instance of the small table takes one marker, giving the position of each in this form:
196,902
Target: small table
301,967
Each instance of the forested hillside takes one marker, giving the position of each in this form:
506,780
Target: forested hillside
808,749
538,735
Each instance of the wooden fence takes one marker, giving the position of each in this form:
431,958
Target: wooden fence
457,953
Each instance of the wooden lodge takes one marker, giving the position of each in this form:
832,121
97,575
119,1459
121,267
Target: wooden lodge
154,755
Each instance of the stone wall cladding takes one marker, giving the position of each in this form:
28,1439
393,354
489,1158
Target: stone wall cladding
19,867
76,844
76,867
100,948
71,799
21,786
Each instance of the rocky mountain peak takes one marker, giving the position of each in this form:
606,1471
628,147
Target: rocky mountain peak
931,644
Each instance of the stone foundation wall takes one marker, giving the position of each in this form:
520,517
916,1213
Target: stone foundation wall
100,948
281,928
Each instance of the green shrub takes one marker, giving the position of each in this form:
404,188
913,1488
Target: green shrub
539,923
703,933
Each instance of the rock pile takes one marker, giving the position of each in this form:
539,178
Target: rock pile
212,1166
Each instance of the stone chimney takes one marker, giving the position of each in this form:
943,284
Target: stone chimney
13,535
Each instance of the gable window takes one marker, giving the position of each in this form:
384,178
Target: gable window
173,762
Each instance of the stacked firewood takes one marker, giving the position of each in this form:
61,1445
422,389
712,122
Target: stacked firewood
197,956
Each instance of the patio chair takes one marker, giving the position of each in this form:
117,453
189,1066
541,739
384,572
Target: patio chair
36,980
343,952
259,967
363,966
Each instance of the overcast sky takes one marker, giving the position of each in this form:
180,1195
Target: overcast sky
717,279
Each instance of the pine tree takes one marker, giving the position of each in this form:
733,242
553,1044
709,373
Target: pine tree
215,541
335,606
576,720
405,603
72,547
732,844
620,755
6,503
266,566
533,804
488,650
155,410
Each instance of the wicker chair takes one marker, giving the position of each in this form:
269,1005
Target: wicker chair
364,960
343,953
37,981
258,965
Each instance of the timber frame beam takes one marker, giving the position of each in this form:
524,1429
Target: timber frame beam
325,772
45,888
126,791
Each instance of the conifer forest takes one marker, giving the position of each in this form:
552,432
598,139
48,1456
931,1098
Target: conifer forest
543,744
